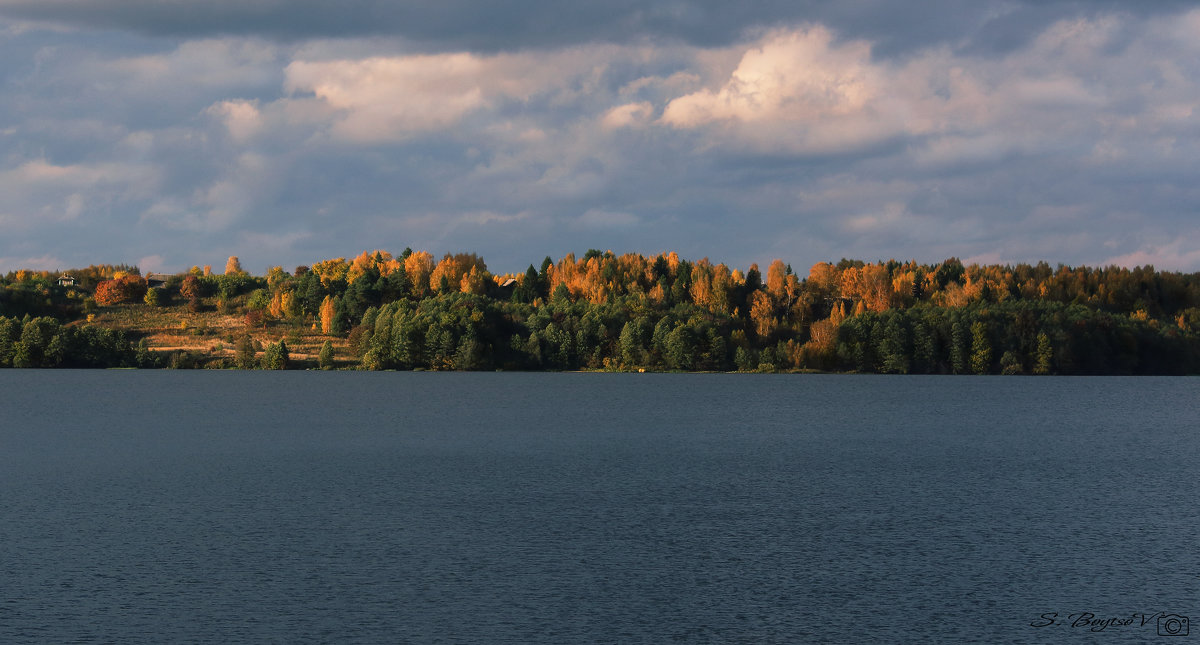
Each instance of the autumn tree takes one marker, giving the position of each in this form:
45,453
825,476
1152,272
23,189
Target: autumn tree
419,266
129,288
233,266
453,268
368,265
190,287
331,273
776,279
474,281
762,313
328,314
276,277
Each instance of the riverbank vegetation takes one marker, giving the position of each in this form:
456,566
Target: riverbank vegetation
604,311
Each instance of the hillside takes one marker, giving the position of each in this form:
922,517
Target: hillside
609,312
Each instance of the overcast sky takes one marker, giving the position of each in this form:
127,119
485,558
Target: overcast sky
172,133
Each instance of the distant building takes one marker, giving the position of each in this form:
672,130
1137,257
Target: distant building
156,280
66,280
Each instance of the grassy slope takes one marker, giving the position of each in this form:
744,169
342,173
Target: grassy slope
212,334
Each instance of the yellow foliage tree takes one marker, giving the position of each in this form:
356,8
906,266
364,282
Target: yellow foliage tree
330,271
824,278
776,279
284,304
762,312
453,268
419,266
722,284
365,262
233,266
876,287
328,311
276,276
475,281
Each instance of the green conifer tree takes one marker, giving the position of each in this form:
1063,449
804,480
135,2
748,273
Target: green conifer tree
325,358
981,349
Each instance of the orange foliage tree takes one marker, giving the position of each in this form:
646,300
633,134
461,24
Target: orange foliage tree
453,268
130,288
190,287
776,279
328,311
418,266
762,312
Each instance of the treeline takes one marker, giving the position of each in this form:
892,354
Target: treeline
45,342
629,312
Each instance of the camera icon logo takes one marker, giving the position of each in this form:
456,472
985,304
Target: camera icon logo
1172,625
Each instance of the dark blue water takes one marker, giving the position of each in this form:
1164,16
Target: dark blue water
567,508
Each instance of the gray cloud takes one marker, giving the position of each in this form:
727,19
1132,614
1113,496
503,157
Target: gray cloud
808,133
444,25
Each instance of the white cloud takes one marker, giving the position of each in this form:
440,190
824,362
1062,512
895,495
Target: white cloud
803,91
1177,255
389,98
792,76
628,115
396,97
241,118
152,264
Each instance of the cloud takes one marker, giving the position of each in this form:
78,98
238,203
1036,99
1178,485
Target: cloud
38,192
39,263
389,98
793,76
193,65
233,196
241,118
1175,255
393,98
597,218
1053,130
468,25
152,264
628,115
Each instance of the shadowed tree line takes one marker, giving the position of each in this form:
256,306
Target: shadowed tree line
629,312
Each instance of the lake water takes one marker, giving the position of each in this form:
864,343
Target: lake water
292,507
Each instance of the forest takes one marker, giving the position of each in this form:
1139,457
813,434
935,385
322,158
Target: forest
603,311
